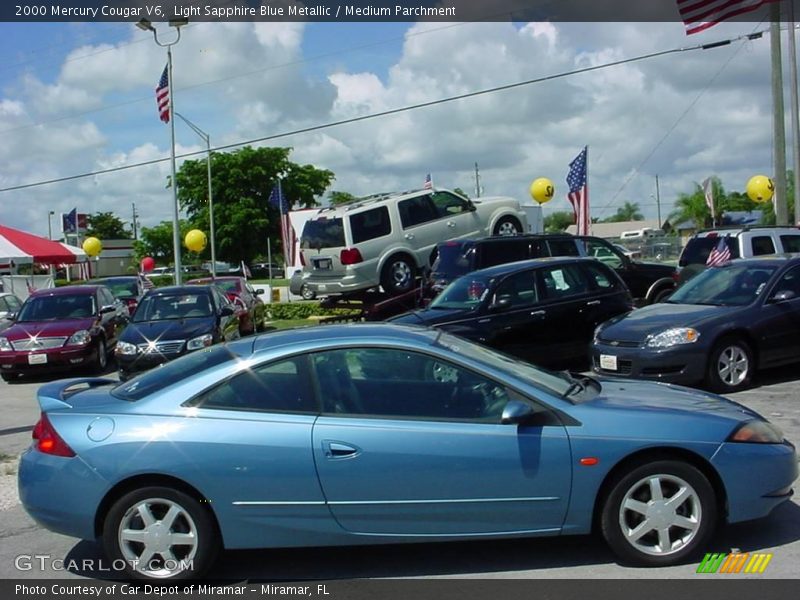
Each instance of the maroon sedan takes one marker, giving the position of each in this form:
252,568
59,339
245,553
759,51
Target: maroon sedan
249,307
61,329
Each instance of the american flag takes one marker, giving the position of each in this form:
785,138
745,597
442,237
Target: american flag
428,185
162,95
708,192
719,255
146,283
246,273
278,200
579,192
699,15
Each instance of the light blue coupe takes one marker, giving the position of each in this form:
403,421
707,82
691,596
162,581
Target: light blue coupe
366,434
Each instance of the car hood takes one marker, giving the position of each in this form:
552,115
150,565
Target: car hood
178,329
21,330
635,326
432,316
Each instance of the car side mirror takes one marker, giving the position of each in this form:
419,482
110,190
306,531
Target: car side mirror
783,295
226,311
9,316
517,412
471,207
500,305
259,292
108,308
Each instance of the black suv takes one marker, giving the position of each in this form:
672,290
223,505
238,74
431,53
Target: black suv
647,282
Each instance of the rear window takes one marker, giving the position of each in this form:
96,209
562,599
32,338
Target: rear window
791,243
157,379
454,260
562,248
370,224
122,289
323,233
502,252
697,250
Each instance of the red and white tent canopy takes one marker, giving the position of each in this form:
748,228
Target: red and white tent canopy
21,247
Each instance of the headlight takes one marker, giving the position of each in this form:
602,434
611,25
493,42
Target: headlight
126,349
673,337
200,342
757,432
597,331
79,338
5,345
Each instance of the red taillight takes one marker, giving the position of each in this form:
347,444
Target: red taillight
302,258
350,256
48,441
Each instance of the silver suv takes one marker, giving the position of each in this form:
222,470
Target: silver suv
386,240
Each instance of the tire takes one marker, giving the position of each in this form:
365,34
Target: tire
508,226
674,528
730,366
662,295
307,293
8,377
398,275
154,555
101,362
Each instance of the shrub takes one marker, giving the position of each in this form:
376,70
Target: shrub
304,310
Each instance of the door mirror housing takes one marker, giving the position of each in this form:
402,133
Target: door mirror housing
783,296
259,291
108,308
226,311
500,305
518,413
471,207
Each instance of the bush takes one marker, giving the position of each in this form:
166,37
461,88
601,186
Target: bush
304,310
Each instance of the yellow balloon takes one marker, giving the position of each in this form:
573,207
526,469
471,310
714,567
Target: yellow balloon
195,240
760,188
92,246
542,190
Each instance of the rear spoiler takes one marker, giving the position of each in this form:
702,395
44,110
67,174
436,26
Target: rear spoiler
52,396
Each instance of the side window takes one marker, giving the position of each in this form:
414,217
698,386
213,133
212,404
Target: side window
600,277
13,303
449,204
789,282
791,243
562,248
276,387
762,244
370,224
395,384
518,289
4,306
563,281
415,211
501,252
602,251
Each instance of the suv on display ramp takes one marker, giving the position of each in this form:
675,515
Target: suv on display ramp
387,240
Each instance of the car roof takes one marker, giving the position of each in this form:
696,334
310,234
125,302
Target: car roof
521,265
209,280
491,239
68,290
178,289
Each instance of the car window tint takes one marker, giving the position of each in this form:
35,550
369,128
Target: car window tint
388,383
602,251
789,282
791,243
370,224
415,211
277,387
763,244
601,278
323,232
4,307
697,249
518,289
562,248
563,281
501,252
449,204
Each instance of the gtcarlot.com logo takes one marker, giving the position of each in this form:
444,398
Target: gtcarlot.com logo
736,562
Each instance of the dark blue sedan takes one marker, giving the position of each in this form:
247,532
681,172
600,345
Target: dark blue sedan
716,330
374,434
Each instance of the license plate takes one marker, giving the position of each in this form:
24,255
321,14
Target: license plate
323,263
37,359
608,362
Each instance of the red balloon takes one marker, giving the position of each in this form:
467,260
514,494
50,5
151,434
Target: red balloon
148,264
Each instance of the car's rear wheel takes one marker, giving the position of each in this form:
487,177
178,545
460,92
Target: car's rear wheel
398,275
160,533
730,365
508,226
660,513
101,360
307,293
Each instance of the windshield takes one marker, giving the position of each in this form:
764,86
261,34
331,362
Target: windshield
697,249
122,288
556,383
466,293
323,233
52,308
161,377
729,285
165,307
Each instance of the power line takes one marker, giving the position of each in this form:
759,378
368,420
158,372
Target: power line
385,113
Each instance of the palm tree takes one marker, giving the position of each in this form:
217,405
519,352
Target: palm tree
629,212
691,207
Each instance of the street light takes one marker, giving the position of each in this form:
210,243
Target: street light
207,138
145,25
50,225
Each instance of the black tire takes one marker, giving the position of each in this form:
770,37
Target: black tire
662,295
398,275
101,361
8,377
192,522
696,509
507,226
730,366
307,293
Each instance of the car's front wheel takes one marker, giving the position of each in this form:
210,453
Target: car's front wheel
101,360
659,513
159,533
730,366
507,226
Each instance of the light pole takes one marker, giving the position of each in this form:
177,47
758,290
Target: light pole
50,225
207,138
145,25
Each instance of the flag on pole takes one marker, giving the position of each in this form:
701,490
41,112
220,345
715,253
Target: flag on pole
162,95
278,200
699,15
69,221
719,255
246,271
578,194
146,283
708,192
428,185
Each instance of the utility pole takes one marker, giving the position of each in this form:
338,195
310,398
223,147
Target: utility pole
779,133
135,231
658,203
477,182
795,116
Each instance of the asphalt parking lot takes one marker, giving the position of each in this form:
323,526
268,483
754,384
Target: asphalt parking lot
776,395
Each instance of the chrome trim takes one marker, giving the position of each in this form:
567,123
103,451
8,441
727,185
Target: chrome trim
460,535
445,501
269,503
37,343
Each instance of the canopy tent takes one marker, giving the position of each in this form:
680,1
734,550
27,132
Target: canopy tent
19,247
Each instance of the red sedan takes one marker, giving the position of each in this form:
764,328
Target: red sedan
250,309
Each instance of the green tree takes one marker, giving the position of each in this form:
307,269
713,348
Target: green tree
558,221
107,226
157,243
693,207
627,212
458,190
242,181
340,197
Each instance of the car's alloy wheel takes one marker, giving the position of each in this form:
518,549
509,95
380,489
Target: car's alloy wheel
307,293
160,533
731,366
507,226
659,514
398,275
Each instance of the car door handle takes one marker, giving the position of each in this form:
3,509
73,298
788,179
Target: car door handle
451,224
409,236
593,303
339,449
538,313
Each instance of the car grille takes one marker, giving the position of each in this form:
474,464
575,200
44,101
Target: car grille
38,343
165,347
619,343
